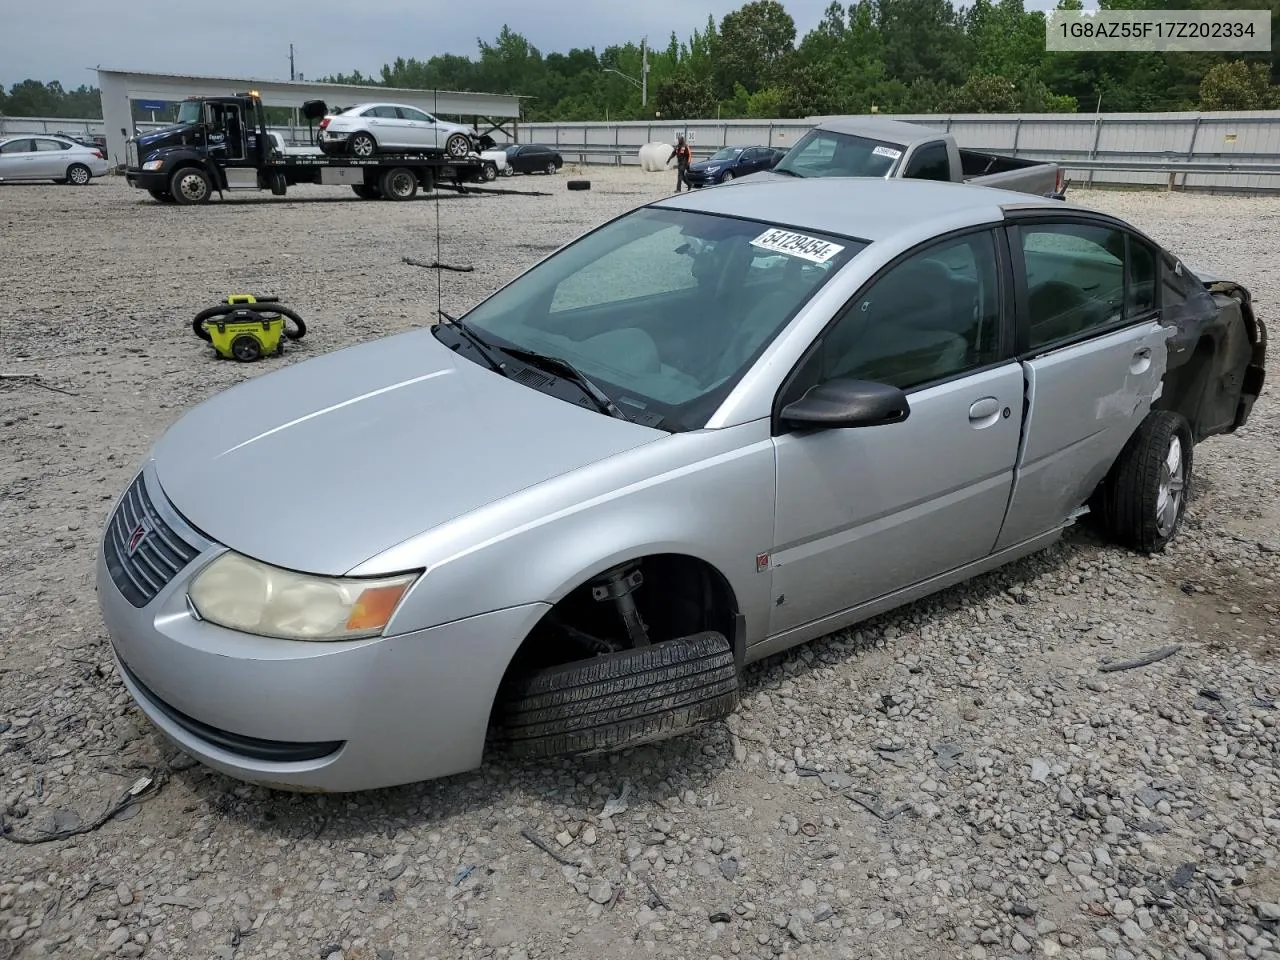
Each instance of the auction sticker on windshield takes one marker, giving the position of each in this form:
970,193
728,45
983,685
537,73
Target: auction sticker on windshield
889,152
797,245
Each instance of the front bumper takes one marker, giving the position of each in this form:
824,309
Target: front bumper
701,179
310,716
147,179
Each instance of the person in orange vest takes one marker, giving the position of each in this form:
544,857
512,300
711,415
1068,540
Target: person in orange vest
683,156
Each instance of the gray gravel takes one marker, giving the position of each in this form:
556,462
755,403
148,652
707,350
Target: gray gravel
955,780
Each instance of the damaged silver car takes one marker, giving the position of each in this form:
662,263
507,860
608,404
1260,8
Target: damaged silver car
715,427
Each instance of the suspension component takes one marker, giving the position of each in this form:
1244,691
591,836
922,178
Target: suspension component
618,585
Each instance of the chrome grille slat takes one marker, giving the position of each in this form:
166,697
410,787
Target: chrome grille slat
158,558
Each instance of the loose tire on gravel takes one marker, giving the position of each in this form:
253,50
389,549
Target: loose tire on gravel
1144,498
579,184
621,699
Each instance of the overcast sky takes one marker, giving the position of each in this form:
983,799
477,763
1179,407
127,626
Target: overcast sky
250,38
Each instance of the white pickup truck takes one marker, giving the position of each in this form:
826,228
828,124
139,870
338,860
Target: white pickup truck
877,147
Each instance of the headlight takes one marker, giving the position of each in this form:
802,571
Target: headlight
252,597
713,169
153,165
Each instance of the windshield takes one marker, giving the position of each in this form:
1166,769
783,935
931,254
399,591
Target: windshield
728,153
189,111
825,153
664,310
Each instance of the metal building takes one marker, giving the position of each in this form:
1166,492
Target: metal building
119,87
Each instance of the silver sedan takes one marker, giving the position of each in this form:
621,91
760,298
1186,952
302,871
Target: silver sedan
715,427
44,157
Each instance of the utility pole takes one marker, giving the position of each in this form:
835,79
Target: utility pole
644,72
292,75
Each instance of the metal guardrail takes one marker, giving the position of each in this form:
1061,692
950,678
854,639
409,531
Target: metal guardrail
1138,164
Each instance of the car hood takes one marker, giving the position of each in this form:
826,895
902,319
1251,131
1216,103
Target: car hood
327,463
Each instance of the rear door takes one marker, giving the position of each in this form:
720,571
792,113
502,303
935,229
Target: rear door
386,126
1094,351
16,158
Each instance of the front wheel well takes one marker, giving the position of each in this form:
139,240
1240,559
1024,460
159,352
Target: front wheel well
675,595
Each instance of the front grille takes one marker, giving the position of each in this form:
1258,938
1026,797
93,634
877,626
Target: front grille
253,748
143,552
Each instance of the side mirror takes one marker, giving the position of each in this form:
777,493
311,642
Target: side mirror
847,403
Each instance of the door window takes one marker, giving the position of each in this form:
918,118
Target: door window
48,146
932,316
1141,297
382,113
1076,280
930,162
408,113
18,146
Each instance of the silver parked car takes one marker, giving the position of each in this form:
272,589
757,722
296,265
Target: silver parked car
371,128
717,426
45,157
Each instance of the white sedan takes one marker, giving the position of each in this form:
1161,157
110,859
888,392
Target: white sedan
370,128
45,157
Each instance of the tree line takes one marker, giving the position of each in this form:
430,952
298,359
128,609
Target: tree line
893,56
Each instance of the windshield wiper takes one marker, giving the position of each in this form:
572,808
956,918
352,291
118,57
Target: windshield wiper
789,172
573,373
476,341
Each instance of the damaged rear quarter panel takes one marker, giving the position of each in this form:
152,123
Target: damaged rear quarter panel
1217,352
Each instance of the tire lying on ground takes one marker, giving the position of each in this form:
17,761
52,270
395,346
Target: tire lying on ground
619,700
579,184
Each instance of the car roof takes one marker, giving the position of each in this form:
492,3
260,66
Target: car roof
870,208
896,130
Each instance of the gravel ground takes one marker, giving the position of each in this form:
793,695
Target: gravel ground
956,780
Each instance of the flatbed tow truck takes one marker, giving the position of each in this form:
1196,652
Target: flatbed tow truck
222,144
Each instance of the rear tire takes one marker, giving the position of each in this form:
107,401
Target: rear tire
490,171
551,168
362,145
78,175
399,183
620,700
1144,498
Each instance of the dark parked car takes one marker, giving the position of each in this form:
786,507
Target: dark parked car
532,158
733,162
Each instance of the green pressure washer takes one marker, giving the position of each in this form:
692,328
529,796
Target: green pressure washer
246,327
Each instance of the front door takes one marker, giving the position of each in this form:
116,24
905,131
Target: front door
1095,354
864,512
420,129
